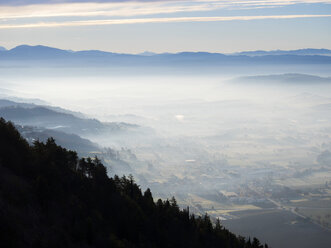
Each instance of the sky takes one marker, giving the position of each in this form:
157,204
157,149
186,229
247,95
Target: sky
167,26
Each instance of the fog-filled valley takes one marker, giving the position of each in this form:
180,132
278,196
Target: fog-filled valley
242,143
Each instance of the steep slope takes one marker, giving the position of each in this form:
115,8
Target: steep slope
50,198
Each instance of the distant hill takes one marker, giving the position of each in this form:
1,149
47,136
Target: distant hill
69,141
323,107
48,56
56,119
51,198
3,48
285,78
116,133
7,103
35,103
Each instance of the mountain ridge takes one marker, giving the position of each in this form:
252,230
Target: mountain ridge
303,51
45,55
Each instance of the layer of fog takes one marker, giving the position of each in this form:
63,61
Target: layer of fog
210,131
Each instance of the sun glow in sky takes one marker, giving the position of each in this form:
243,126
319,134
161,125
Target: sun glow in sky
167,26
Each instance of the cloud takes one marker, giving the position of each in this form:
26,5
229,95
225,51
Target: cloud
57,13
103,9
154,20
131,8
31,2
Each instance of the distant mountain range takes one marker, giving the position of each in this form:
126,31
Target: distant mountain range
307,51
44,55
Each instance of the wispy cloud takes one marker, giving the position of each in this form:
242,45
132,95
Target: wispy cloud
155,20
30,2
87,13
109,9
134,8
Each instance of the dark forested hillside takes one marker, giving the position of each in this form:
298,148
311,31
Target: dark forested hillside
51,198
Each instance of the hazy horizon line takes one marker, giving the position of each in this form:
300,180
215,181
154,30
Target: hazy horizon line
166,52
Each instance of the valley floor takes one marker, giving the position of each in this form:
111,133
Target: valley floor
281,228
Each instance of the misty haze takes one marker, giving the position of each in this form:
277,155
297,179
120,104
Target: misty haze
252,140
165,124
